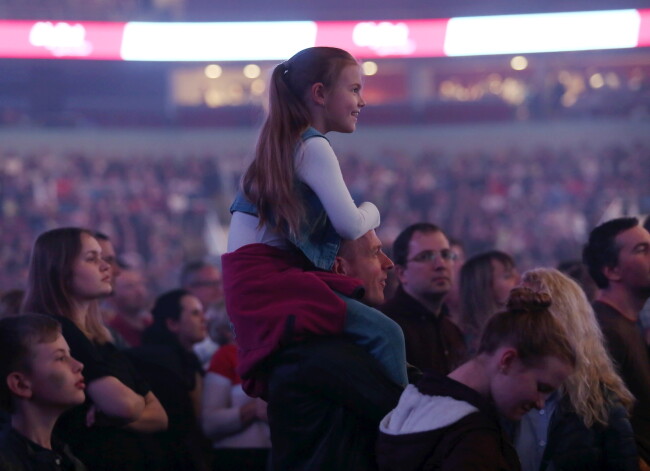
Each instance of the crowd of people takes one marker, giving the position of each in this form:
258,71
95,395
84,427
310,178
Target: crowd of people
310,348
536,204
171,396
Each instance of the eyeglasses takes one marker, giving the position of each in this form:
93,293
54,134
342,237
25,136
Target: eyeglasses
432,255
206,284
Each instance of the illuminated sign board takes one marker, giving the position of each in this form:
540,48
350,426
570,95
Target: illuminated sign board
239,41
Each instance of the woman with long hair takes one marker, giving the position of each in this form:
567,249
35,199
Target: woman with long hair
485,283
585,425
67,278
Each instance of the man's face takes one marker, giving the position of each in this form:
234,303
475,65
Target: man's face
131,294
55,377
206,285
366,261
108,255
633,268
191,327
422,278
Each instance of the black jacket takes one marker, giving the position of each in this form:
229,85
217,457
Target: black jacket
18,453
432,342
326,398
454,439
574,447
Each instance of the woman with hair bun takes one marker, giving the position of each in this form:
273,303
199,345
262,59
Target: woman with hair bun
452,422
584,425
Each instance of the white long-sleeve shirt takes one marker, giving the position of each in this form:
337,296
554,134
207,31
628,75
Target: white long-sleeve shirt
317,166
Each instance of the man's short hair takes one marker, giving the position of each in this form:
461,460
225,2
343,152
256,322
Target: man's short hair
101,236
18,335
602,251
401,244
189,269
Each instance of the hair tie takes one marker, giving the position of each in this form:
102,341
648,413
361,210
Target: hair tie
285,64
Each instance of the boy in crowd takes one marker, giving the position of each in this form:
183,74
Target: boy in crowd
39,381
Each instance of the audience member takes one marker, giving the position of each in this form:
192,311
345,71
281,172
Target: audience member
618,257
644,315
328,394
585,424
40,381
485,283
451,422
67,278
130,304
452,300
236,424
424,264
175,374
115,269
109,255
203,280
535,202
10,302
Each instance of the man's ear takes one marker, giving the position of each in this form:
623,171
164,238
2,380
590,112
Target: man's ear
612,273
341,266
507,359
172,325
399,272
19,385
317,93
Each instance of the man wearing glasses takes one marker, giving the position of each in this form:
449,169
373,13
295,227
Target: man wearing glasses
423,265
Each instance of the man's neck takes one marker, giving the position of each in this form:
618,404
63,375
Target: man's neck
623,301
35,424
432,303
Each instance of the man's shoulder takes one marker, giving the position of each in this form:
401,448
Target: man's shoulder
333,365
611,320
400,304
402,307
322,350
605,310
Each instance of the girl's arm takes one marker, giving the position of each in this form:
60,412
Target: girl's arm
319,168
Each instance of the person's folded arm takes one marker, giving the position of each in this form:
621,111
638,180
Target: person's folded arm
153,417
219,418
114,399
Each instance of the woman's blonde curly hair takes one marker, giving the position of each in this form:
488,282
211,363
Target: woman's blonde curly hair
595,382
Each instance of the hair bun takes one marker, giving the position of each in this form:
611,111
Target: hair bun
526,300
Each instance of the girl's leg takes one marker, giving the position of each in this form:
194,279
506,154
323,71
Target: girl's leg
379,335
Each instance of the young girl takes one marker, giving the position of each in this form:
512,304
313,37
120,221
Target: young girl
289,219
